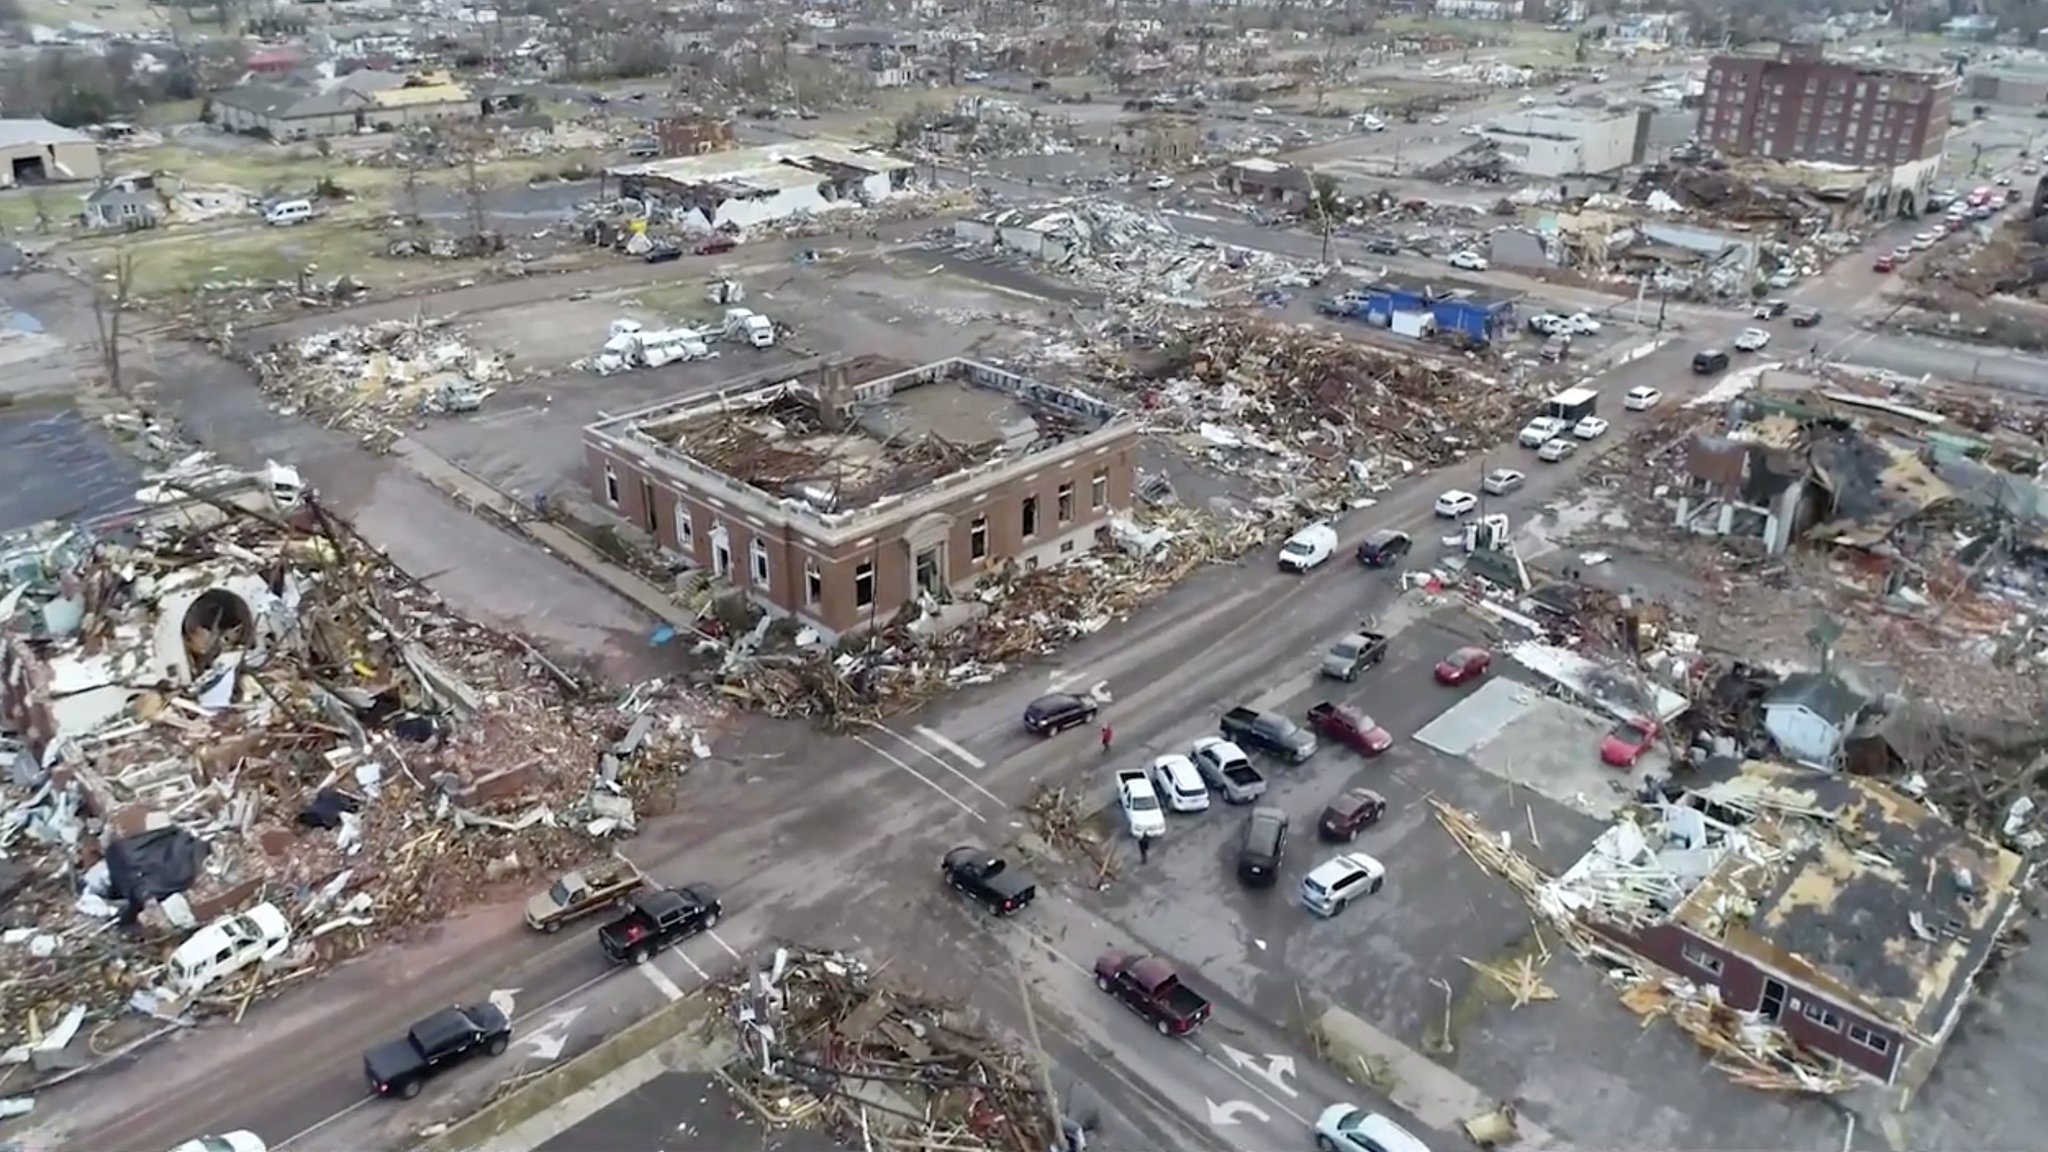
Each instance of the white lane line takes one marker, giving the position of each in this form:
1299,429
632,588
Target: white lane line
929,755
729,949
953,746
926,780
660,980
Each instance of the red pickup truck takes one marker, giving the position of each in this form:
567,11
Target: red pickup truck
1350,727
1149,986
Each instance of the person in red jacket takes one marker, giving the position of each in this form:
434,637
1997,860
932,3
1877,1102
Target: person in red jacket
1106,734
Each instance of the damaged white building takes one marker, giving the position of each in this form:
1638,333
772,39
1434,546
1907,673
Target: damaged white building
750,187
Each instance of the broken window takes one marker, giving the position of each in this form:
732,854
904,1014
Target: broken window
1869,1039
977,539
1702,959
864,584
1030,517
1819,1014
1066,504
1098,490
686,528
757,561
721,552
814,584
930,573
611,486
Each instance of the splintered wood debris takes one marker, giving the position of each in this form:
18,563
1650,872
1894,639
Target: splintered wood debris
826,1041
1751,1050
233,711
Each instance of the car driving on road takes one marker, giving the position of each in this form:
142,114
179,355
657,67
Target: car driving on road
1556,450
1502,481
1752,340
1057,712
987,879
1384,548
1455,503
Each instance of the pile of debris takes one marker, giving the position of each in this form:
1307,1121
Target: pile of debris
1012,616
375,379
827,1043
1068,820
1290,405
1135,257
241,746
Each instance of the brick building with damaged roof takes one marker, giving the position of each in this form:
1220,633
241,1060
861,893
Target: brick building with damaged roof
840,490
1850,915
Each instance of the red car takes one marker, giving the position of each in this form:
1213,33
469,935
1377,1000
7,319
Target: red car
1462,665
1351,813
1350,727
1883,263
1627,742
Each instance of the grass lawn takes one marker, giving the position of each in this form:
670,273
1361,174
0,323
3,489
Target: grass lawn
174,262
1512,43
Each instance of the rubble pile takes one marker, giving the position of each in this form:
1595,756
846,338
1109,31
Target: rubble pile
231,724
826,1043
1133,256
375,379
1013,615
1067,820
1289,405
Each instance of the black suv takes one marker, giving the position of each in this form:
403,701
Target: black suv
1260,847
1709,361
1384,548
1057,713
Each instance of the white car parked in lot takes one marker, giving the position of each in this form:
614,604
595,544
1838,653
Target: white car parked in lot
1581,324
1175,777
1752,340
1349,1128
1468,260
1590,428
1641,399
1335,883
1455,503
1142,811
1308,548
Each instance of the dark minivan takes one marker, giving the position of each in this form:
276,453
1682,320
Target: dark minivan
1057,713
1383,548
1260,847
1709,361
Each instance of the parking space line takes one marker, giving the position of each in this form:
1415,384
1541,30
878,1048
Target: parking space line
685,957
929,755
729,949
953,746
924,779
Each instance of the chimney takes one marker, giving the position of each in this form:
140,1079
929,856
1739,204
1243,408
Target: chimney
835,396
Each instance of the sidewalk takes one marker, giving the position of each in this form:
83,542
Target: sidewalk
473,493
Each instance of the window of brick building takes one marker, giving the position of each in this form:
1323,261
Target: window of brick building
977,539
814,584
1066,504
1030,517
1098,490
864,584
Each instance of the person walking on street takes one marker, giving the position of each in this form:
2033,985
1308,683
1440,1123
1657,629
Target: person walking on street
1144,849
1106,735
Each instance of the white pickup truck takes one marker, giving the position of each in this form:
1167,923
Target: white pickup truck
1143,813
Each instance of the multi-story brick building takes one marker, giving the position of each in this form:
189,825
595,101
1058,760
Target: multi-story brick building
1802,106
838,491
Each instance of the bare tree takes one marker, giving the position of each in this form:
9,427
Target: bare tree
1325,207
110,300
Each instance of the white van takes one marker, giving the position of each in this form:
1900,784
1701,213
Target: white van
286,212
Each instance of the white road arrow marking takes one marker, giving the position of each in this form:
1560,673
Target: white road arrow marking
1226,1113
548,1040
1274,1070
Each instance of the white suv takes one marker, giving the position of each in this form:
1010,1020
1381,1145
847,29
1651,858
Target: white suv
1336,883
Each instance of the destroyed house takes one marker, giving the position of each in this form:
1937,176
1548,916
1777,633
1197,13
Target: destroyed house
1854,918
841,490
1750,483
747,187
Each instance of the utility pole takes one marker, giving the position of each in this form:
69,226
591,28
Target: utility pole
1052,1097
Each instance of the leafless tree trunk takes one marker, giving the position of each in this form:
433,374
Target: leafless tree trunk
475,189
110,300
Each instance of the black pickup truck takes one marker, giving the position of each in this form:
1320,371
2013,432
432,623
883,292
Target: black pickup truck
434,1045
1270,732
658,918
987,880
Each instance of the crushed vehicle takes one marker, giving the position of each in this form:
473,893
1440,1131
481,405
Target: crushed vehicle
1228,770
988,880
434,1045
577,894
1353,654
656,919
1350,727
1149,986
1269,732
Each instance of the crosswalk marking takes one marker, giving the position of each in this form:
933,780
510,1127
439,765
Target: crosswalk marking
660,980
953,746
927,753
